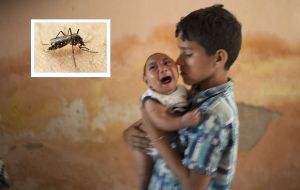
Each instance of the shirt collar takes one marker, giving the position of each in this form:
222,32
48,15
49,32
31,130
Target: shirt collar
198,97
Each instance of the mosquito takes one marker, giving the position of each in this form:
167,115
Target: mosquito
71,38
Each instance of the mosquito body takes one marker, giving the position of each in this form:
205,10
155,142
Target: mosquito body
72,39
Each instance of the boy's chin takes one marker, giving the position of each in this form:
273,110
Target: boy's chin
187,81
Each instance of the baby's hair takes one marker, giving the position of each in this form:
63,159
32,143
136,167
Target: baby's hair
148,59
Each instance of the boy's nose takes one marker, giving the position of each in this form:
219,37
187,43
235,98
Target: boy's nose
180,60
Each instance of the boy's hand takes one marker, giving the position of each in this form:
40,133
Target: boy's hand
191,118
153,132
136,137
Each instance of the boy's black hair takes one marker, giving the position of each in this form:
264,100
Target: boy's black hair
213,28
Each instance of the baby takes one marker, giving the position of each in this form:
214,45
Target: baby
165,103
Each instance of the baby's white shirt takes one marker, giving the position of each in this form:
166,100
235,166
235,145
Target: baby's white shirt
177,99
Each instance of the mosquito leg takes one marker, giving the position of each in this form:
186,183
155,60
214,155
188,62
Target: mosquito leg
83,47
70,31
86,49
74,56
59,33
77,31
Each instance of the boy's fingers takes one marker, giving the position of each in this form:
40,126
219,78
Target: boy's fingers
139,146
138,143
136,137
144,150
133,131
139,133
139,122
139,140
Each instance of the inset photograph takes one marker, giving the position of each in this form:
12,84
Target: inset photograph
70,48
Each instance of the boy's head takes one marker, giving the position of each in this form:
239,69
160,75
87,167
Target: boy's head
213,28
161,73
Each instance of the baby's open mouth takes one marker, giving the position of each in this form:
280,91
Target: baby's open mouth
166,80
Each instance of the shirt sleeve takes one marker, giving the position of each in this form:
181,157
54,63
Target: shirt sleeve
206,144
150,98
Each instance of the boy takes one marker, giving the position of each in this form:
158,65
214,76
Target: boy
166,103
209,40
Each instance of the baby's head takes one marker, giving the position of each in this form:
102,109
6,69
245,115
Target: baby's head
161,73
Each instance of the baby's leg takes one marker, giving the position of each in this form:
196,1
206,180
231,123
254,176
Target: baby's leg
144,164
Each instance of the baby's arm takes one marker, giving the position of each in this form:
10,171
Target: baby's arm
163,120
191,119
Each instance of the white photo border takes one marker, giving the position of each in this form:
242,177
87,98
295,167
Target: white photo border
60,74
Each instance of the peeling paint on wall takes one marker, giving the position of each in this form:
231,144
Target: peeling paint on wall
71,123
254,122
111,114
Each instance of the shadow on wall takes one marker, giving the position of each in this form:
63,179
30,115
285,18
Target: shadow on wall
74,126
254,122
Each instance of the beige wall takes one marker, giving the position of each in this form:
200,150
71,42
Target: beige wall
280,17
63,133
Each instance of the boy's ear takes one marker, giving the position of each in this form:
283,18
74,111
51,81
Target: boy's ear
221,57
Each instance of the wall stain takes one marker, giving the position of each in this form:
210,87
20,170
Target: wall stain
32,146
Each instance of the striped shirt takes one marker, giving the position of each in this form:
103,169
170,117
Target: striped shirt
211,147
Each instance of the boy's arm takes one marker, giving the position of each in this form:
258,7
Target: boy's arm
159,116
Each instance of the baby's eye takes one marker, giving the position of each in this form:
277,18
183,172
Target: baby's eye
151,67
168,62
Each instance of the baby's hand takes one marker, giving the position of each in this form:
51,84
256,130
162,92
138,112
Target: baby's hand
191,118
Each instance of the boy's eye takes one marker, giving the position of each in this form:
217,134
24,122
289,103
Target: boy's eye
187,54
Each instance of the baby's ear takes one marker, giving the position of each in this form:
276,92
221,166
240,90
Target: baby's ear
145,79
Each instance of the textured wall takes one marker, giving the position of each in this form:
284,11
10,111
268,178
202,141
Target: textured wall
65,133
